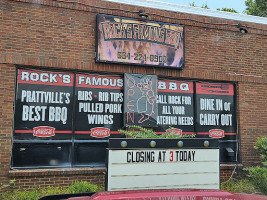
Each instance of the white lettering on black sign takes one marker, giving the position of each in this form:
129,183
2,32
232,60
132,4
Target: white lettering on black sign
43,99
38,113
96,110
175,102
99,81
215,109
99,102
44,77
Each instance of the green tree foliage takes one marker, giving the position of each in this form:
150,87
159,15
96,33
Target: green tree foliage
140,132
193,4
205,6
258,177
83,186
238,186
37,193
256,7
261,148
227,10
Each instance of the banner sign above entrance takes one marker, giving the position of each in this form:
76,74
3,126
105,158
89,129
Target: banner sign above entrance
123,40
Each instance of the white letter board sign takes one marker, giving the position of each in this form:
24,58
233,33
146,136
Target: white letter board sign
139,166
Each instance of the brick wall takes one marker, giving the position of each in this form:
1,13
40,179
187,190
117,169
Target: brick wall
57,177
7,77
46,33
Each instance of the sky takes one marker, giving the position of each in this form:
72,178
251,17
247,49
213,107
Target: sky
238,5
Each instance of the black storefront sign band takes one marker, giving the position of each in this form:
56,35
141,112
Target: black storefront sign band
104,103
53,109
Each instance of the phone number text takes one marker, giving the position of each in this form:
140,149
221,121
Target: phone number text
141,57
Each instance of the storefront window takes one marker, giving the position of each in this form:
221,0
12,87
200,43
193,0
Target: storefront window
65,119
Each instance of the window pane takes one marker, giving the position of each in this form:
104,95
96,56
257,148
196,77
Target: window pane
90,154
41,155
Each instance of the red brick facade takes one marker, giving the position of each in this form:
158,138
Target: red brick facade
51,34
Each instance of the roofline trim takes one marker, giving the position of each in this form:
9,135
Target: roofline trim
193,10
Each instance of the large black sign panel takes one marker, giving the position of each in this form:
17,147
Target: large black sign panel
140,95
175,106
67,107
43,105
215,115
98,106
